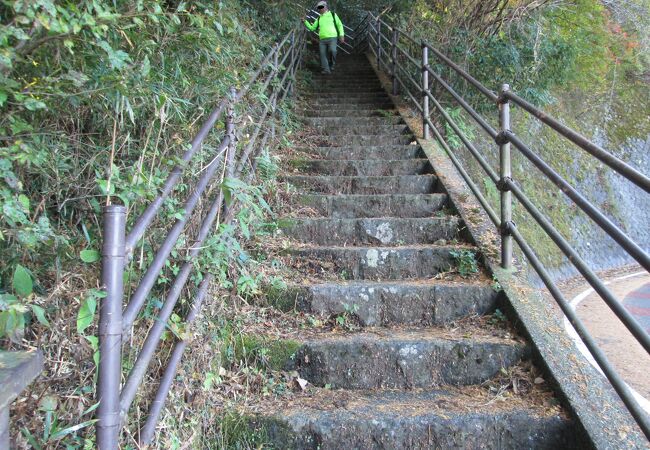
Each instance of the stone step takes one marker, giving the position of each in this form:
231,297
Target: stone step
350,93
367,90
375,231
379,263
453,418
379,205
404,359
351,86
403,184
326,91
363,129
362,167
342,74
414,303
346,121
349,112
365,152
350,102
338,140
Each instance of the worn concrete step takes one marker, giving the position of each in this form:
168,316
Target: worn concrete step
386,111
404,359
380,205
352,86
375,88
346,121
371,304
345,109
453,418
379,263
362,167
349,112
350,102
359,92
366,152
326,91
402,184
342,74
338,140
364,129
375,231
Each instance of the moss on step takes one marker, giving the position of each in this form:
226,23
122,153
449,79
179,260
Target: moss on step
237,431
265,352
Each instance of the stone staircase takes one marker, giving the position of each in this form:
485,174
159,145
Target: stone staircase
416,371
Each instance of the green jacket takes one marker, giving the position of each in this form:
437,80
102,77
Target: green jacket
325,25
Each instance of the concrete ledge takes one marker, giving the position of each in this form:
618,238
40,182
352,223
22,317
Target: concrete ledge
17,370
594,403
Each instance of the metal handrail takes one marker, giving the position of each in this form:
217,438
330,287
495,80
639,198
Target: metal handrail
118,245
503,181
610,160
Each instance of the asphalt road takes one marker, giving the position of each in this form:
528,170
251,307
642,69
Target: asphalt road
627,355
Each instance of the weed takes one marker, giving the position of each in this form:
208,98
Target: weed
347,319
496,286
498,318
466,262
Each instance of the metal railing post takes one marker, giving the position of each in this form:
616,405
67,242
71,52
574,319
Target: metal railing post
110,328
426,133
378,28
505,172
230,132
292,62
274,101
393,74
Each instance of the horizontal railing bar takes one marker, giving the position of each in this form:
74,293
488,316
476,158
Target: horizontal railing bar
610,160
482,200
406,89
150,345
473,81
471,111
284,40
601,220
253,138
385,64
151,275
473,150
417,85
617,307
623,391
415,41
246,158
286,56
143,222
263,66
372,38
149,428
409,57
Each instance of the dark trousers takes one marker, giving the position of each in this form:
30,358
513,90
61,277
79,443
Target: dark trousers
327,46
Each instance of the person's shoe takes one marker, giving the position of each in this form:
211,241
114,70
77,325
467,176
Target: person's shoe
325,72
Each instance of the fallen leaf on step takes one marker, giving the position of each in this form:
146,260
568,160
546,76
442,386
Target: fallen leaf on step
302,383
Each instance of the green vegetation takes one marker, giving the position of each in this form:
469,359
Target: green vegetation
99,100
466,263
273,354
